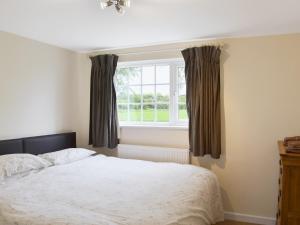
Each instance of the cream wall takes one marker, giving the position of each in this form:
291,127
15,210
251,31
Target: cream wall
260,104
37,88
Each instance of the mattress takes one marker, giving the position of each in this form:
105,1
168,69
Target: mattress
104,190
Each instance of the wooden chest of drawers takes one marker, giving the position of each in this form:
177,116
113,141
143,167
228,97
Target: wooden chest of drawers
289,188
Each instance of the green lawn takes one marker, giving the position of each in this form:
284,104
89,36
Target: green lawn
149,115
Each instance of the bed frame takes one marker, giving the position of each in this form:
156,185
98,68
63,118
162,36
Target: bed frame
38,145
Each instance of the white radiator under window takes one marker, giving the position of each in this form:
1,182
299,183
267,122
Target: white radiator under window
156,154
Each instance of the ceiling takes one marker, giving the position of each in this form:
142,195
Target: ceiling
81,25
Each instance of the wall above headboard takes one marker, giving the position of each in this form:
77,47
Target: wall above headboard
37,88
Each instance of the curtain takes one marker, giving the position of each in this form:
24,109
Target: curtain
202,73
103,109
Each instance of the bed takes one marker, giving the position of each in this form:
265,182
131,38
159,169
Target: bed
101,190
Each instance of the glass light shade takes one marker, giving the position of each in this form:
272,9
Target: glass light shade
103,4
119,4
125,3
106,4
119,9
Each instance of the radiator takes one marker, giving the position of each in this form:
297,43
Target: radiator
156,154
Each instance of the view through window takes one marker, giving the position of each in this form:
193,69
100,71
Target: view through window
151,93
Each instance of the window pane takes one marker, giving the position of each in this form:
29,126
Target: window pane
163,74
134,75
180,75
163,93
181,93
148,76
148,113
135,94
122,77
143,93
123,112
135,113
148,93
122,94
182,113
163,113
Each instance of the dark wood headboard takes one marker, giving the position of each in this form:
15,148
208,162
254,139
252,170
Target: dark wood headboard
38,145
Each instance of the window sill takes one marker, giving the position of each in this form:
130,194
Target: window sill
167,127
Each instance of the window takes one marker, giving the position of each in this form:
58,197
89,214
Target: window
151,93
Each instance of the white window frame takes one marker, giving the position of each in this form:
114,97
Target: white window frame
173,104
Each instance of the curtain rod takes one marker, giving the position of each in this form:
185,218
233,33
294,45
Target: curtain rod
220,45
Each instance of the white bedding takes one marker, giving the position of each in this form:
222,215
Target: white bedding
109,191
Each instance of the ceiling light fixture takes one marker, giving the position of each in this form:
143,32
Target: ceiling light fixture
119,4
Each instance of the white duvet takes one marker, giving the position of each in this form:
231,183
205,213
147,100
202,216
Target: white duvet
109,191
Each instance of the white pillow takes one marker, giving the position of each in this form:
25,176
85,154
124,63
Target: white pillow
67,155
19,163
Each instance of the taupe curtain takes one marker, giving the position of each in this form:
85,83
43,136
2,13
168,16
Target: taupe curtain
202,72
103,108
